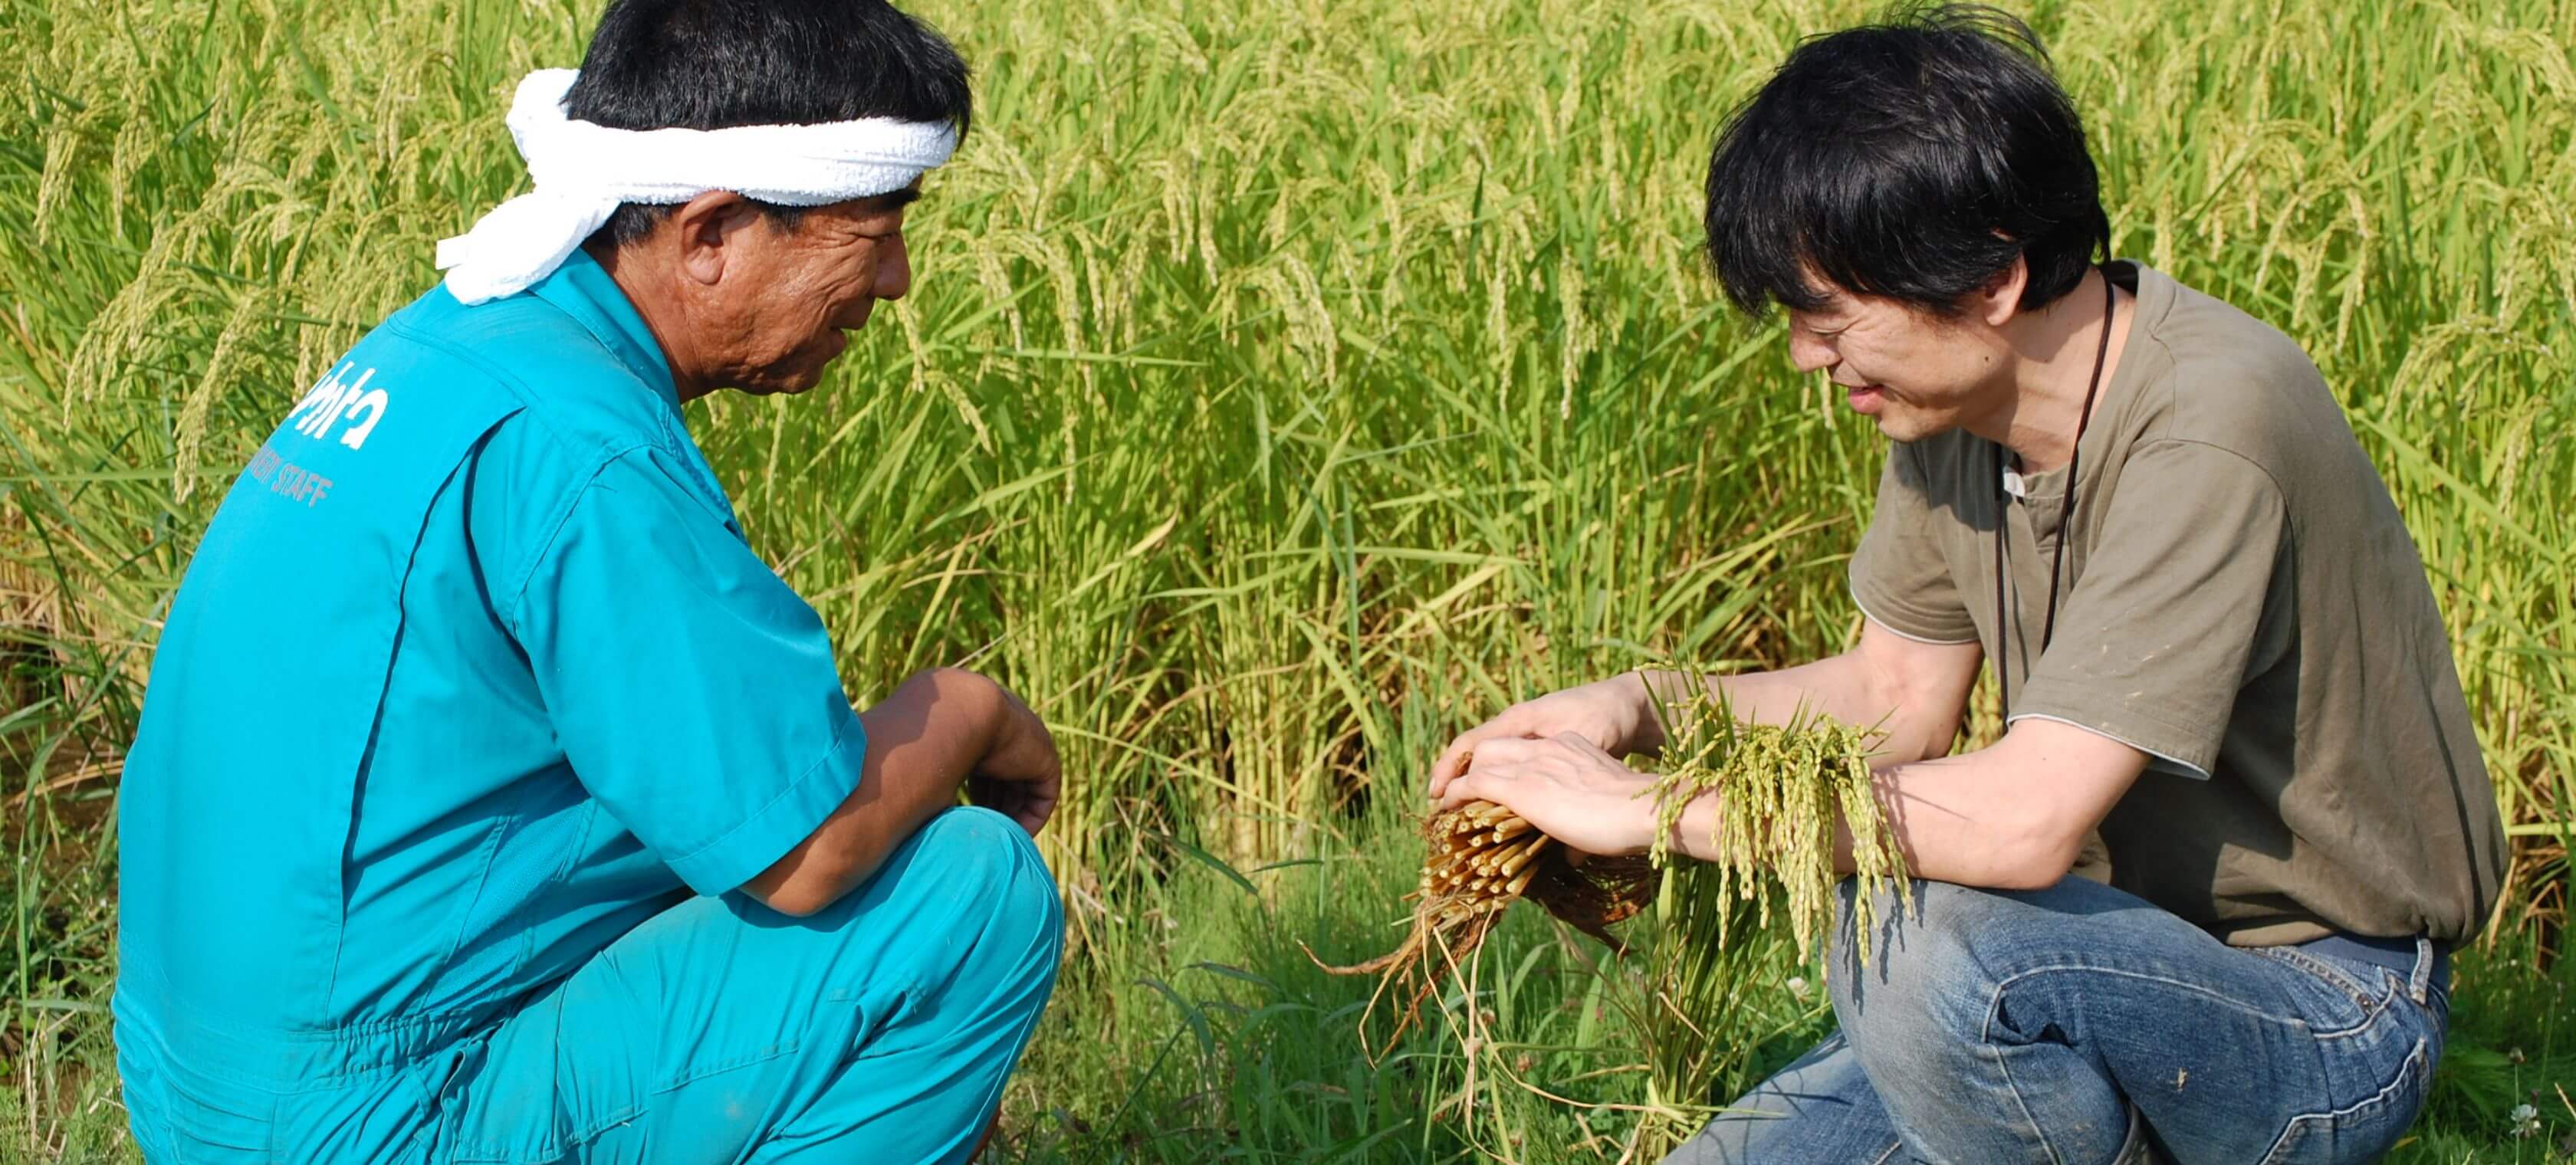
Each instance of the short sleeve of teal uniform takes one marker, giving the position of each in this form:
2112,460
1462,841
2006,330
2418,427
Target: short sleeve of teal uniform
692,690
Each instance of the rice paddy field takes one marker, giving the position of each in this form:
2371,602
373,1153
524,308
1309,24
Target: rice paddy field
1287,386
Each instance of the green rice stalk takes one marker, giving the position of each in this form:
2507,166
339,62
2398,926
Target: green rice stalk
1783,789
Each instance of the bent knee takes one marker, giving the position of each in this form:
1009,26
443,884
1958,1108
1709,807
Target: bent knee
981,851
1935,965
985,878
1925,972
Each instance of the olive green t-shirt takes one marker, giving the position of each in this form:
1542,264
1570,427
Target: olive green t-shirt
2242,603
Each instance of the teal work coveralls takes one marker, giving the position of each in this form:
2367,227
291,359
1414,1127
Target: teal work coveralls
472,708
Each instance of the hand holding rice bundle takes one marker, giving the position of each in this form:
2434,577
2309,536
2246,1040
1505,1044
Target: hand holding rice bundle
1784,788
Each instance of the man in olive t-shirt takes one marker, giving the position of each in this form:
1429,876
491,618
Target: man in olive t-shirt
2243,605
2215,649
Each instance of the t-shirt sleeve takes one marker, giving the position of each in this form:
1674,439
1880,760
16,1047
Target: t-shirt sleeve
692,691
2158,637
1899,575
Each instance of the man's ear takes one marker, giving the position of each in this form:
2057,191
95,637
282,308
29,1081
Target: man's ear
704,229
1999,300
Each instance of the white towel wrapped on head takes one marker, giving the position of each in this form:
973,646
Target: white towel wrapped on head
583,171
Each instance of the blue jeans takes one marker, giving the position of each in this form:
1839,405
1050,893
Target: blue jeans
2080,1025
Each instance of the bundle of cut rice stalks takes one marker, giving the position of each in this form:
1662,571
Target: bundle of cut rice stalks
1484,857
1785,788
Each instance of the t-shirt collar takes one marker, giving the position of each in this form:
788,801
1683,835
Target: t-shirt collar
584,291
2151,294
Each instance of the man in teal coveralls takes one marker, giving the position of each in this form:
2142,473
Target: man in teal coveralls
493,801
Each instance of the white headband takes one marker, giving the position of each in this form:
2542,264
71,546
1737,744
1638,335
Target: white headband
583,170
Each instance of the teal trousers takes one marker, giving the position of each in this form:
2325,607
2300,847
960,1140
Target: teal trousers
877,1030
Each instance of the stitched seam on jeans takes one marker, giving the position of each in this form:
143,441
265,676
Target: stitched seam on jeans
2371,1008
1986,1037
1883,1158
2341,978
2413,1065
2133,1143
2228,1001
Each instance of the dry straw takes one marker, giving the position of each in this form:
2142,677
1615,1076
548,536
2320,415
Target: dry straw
1786,790
1484,857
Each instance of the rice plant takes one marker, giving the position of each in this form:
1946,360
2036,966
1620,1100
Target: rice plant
1787,790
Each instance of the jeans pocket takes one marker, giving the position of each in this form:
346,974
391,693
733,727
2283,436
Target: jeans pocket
2360,1002
2365,1129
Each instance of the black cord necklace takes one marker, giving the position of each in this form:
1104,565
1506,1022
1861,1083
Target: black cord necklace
2065,518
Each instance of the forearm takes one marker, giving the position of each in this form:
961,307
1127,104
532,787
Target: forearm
1949,827
1836,686
2010,816
1841,686
923,740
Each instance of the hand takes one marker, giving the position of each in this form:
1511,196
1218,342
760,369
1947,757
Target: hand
1020,775
1611,713
1567,786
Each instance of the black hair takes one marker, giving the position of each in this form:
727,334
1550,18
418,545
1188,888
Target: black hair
1911,159
714,64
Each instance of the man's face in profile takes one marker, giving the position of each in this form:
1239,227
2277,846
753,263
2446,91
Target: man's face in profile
1912,372
796,290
